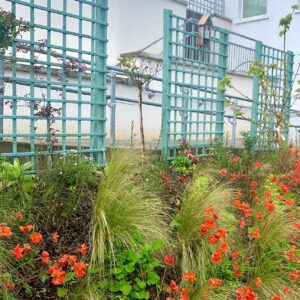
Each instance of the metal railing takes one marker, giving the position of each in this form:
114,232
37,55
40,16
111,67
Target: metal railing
207,6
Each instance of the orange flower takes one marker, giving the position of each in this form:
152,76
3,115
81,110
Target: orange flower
55,237
58,276
269,205
8,285
285,289
214,283
83,249
258,282
216,257
235,159
19,216
237,273
259,216
294,275
27,248
63,260
209,211
224,248
189,276
242,224
245,293
72,260
79,269
45,258
223,172
254,234
18,252
36,237
173,286
236,254
169,260
5,231
258,164
25,228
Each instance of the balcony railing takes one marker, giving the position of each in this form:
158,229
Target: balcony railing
206,7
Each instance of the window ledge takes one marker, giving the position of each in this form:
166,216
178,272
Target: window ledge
253,19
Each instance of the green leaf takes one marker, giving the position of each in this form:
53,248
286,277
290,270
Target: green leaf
61,292
153,278
126,289
69,276
129,268
157,245
140,295
140,283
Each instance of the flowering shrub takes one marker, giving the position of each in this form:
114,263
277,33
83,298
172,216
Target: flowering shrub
29,258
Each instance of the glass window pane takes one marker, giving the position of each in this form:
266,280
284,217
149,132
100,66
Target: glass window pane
253,8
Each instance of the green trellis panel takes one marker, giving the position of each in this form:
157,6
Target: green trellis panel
263,124
193,106
73,31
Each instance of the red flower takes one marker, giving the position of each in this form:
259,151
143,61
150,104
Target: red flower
36,237
63,260
258,282
254,184
213,240
45,258
169,260
19,216
233,177
5,231
182,179
237,273
276,297
242,224
26,228
223,172
166,181
285,290
235,159
173,286
209,211
269,205
224,248
9,285
189,276
183,294
245,293
259,216
72,260
254,234
57,274
216,257
236,254
214,283
79,269
294,275
258,164
83,249
55,237
18,252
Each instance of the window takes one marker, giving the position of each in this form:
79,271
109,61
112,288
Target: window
254,8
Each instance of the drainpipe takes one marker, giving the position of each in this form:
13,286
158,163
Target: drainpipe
2,68
112,108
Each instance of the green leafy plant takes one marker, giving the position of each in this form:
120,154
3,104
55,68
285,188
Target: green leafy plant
135,272
183,165
10,28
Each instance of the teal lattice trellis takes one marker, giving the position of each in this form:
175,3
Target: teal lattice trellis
274,98
55,80
193,108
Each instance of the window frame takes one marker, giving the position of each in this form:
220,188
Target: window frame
254,18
